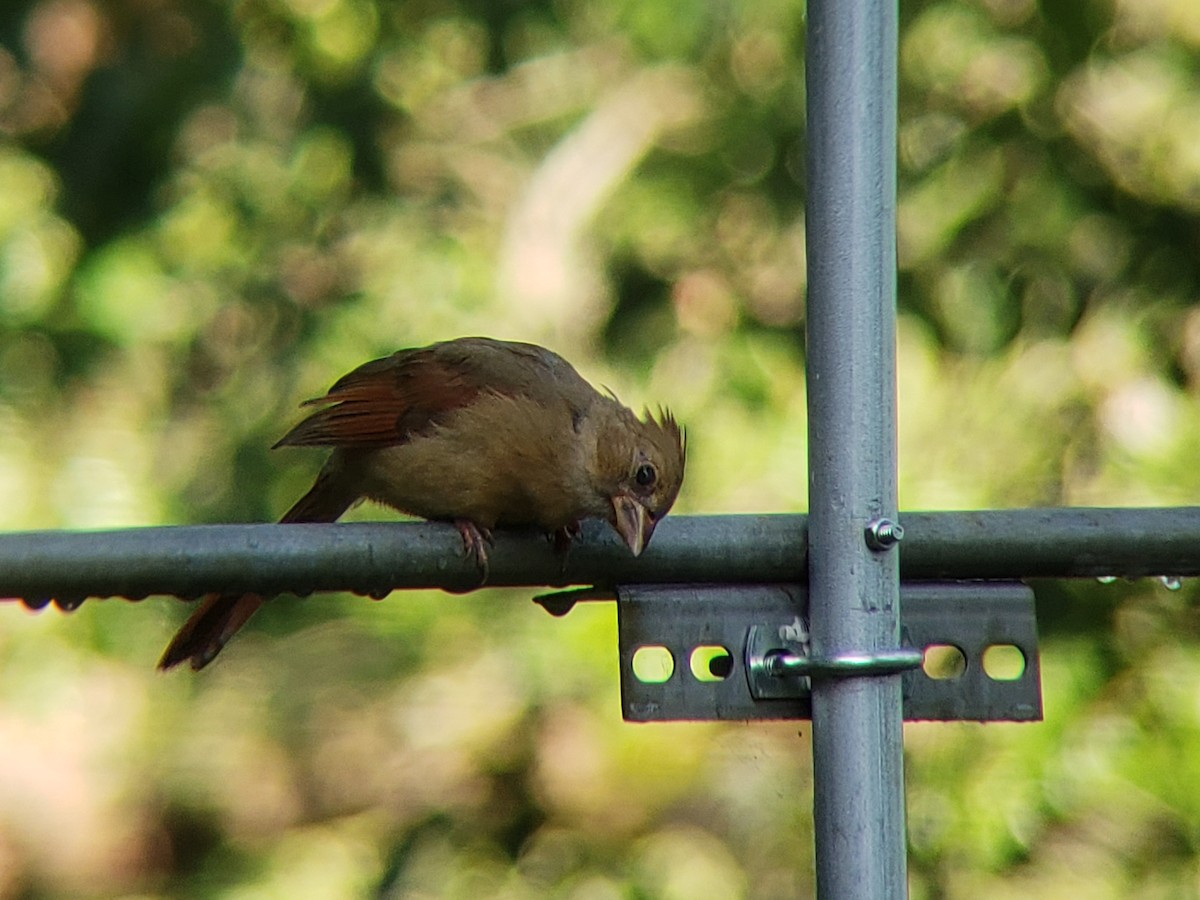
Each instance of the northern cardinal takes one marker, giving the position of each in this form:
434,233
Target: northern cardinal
480,433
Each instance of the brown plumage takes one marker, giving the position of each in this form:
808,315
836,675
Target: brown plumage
478,432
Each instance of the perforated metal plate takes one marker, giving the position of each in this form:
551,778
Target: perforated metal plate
693,624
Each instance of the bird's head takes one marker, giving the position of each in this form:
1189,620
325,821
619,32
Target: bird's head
640,463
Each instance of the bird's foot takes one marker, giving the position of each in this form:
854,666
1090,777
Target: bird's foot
561,539
476,540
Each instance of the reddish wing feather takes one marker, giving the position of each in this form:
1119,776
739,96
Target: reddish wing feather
384,403
392,400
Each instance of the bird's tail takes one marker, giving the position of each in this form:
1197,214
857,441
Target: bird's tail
208,629
220,616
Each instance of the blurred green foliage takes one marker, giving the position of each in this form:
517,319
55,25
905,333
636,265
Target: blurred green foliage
209,210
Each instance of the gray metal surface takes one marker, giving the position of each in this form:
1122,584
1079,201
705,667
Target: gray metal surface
972,617
681,618
1051,543
858,758
750,620
376,558
369,558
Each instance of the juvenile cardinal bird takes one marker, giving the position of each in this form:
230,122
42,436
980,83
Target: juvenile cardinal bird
478,432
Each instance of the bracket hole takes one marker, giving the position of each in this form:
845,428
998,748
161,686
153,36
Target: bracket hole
711,663
1003,662
653,664
944,662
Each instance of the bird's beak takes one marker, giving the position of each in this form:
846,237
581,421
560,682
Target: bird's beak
633,522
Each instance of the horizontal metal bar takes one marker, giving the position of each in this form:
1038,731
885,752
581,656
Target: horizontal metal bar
373,558
1051,543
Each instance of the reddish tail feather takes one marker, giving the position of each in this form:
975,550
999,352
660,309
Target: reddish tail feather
220,616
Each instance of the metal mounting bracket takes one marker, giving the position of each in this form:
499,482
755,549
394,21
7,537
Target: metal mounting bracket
691,652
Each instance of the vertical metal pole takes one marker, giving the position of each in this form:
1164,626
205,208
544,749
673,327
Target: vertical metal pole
858,803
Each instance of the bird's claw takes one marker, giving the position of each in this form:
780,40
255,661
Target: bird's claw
561,538
476,540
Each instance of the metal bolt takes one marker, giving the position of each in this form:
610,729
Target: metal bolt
786,664
884,534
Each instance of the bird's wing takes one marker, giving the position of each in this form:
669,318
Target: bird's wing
390,401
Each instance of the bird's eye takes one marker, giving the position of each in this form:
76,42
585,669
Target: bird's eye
645,475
